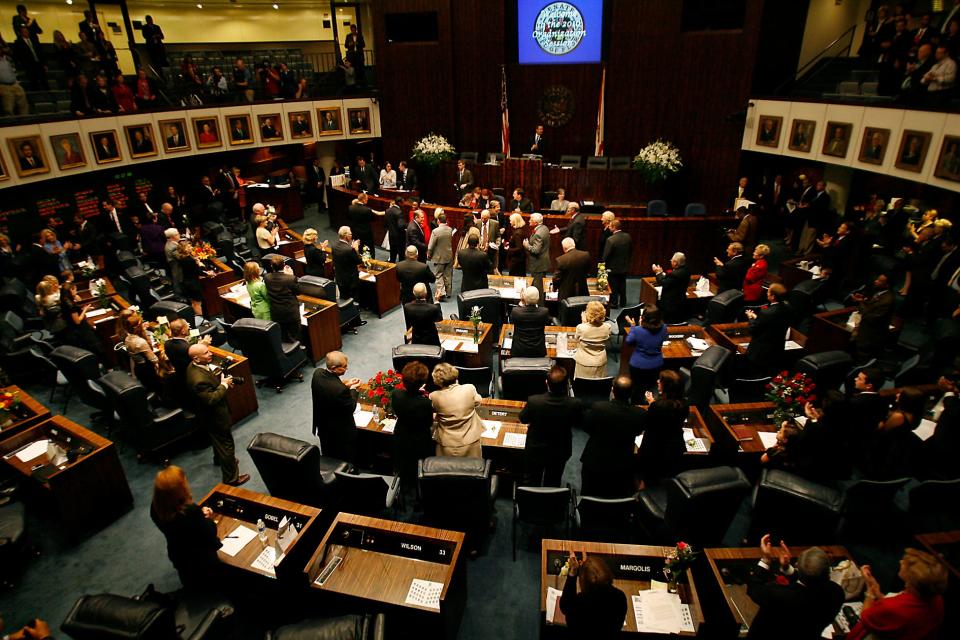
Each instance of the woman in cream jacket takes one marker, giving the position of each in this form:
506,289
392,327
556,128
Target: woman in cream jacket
458,427
593,332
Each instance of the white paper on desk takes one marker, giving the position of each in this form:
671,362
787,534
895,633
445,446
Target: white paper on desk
698,344
362,418
491,429
692,442
302,259
102,320
97,312
238,288
267,560
801,420
519,284
552,295
790,344
237,539
450,344
424,593
925,430
515,440
768,438
35,450
388,425
507,343
703,294
553,595
657,612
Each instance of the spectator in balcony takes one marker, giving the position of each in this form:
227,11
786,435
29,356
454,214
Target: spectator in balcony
88,54
269,79
951,38
893,58
190,74
146,94
349,76
925,33
914,89
153,36
91,29
68,58
877,30
30,59
941,77
302,91
101,97
123,95
13,99
80,102
217,85
355,45
242,81
288,80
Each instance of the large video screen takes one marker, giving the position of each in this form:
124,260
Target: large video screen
559,32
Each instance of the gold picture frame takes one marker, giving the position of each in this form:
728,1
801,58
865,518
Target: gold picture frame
206,131
29,158
106,147
141,140
68,151
173,133
239,129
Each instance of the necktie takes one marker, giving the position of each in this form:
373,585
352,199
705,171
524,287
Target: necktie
484,240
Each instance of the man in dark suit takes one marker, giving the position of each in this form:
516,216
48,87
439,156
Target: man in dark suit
141,143
208,398
743,190
421,317
577,229
608,458
673,289
239,130
464,179
316,181
768,330
538,145
746,231
573,266
415,237
396,225
730,274
267,130
177,347
333,407
29,58
282,291
529,320
550,418
367,176
475,265
28,157
490,235
346,259
876,311
329,123
360,220
520,202
406,177
799,609
411,271
942,295
616,259
175,137
229,192
300,127
866,409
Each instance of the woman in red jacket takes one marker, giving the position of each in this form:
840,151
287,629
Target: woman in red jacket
753,282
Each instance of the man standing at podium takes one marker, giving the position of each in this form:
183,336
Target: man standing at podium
464,182
538,145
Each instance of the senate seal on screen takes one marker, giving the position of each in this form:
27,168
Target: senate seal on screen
559,28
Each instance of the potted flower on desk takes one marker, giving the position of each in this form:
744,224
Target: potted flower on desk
790,395
676,564
602,279
475,319
379,393
9,402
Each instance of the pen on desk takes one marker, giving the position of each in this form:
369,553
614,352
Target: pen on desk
228,537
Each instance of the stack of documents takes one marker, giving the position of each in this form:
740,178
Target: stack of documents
692,442
661,612
516,440
768,438
491,429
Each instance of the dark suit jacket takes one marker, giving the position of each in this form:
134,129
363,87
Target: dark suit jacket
865,411
466,179
475,264
409,273
416,238
524,205
420,317
616,252
345,261
369,180
875,315
408,182
541,149
767,336
396,227
571,276
732,273
333,406
673,296
794,611
661,452
360,220
577,229
282,290
550,420
208,398
613,427
528,337
176,350
316,259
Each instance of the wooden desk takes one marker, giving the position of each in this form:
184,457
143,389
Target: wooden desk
241,398
465,353
691,459
24,414
285,199
89,489
86,296
792,273
379,287
829,331
104,323
552,296
677,352
735,429
697,303
551,333
731,567
736,337
235,506
381,558
633,568
946,546
210,284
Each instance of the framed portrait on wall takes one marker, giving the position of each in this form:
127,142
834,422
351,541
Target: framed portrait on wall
28,156
140,140
207,131
301,125
359,120
874,145
836,141
768,134
329,119
68,151
271,127
4,174
174,135
239,130
948,164
105,147
801,135
913,150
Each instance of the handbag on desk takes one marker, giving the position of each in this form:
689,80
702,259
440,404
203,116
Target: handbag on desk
848,576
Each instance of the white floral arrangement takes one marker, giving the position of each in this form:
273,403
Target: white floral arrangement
658,161
431,150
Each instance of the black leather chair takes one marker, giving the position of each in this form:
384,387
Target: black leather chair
695,209
828,369
541,507
15,334
173,309
521,378
266,259
620,162
326,289
932,506
724,307
149,430
572,308
868,503
592,389
261,342
294,470
82,369
570,161
479,377
597,162
697,505
657,208
468,156
142,286
352,627
795,508
430,355
13,528
606,519
490,306
127,259
623,327
805,297
706,375
14,296
366,494
151,616
748,389
458,494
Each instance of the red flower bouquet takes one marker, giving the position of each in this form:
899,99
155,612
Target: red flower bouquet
379,390
790,394
203,251
677,562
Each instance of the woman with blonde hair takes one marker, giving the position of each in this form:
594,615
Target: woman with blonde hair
592,335
257,290
145,364
314,254
266,239
756,274
516,254
455,405
190,268
48,305
189,529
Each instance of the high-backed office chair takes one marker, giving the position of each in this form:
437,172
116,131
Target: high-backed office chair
29,361
366,493
597,162
149,430
82,369
479,377
928,506
572,308
869,502
805,297
695,209
261,342
697,506
469,156
267,258
913,371
541,507
548,197
14,296
458,494
591,390
127,259
606,519
173,309
142,287
827,368
748,389
570,161
521,378
489,302
350,627
623,327
706,375
294,470
14,335
724,307
792,507
430,355
657,208
620,162
325,289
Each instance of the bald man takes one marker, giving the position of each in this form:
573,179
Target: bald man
333,407
208,398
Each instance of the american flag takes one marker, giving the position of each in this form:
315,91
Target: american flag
504,113
598,136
